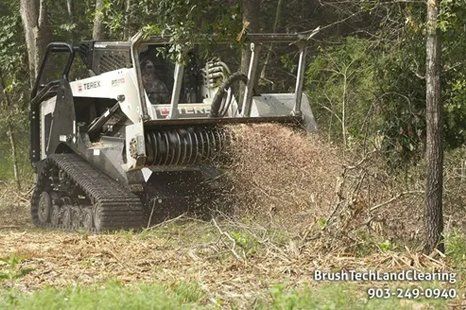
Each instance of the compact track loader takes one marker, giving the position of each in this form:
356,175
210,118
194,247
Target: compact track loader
139,131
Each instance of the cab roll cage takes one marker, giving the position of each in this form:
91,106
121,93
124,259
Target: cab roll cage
56,47
256,40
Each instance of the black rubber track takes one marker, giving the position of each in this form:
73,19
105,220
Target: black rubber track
115,207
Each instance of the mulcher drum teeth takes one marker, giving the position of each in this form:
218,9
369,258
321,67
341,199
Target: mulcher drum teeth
114,207
185,146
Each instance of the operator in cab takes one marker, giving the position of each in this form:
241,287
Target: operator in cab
155,87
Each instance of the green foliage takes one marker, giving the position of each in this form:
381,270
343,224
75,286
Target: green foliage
14,89
456,248
189,22
11,268
341,85
10,48
451,25
401,103
403,88
75,27
386,246
380,80
114,12
185,22
246,241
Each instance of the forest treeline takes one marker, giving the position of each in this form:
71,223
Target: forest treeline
366,74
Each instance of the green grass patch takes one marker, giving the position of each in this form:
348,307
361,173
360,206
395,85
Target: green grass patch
456,251
110,296
456,248
338,296
11,268
115,295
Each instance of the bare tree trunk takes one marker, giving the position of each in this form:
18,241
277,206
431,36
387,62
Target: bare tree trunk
275,27
11,137
128,19
70,10
343,108
14,156
251,21
434,147
98,31
37,32
251,10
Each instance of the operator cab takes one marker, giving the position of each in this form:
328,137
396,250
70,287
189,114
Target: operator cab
157,74
190,84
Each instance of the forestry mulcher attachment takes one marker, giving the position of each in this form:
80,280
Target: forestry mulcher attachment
137,134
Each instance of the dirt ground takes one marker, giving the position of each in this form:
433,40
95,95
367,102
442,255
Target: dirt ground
187,250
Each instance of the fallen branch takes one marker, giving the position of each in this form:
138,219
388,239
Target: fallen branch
360,162
10,227
151,214
166,222
20,197
233,242
394,198
29,191
264,240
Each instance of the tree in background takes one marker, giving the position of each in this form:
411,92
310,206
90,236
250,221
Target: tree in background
341,83
38,34
12,100
251,23
434,144
98,30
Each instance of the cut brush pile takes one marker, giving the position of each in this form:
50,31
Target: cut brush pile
309,187
282,173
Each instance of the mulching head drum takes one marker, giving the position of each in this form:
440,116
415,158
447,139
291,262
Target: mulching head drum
184,146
